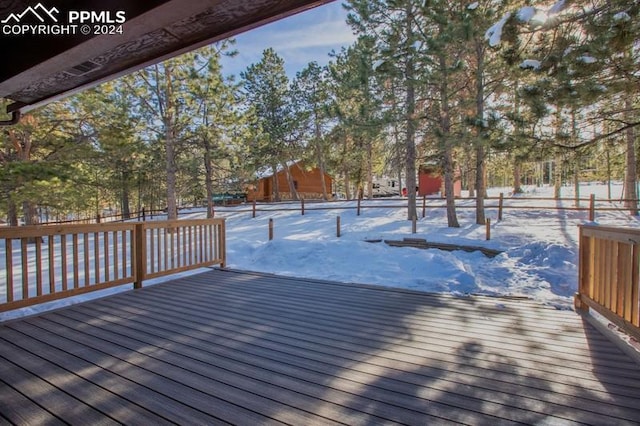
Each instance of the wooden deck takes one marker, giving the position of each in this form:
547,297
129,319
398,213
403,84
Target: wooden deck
227,347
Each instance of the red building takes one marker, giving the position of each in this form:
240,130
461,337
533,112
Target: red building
431,182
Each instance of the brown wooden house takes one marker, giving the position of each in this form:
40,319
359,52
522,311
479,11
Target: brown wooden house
307,182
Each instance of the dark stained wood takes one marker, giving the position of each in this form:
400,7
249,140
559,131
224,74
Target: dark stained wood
243,348
39,69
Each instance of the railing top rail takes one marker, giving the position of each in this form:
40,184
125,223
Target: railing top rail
593,229
180,223
41,230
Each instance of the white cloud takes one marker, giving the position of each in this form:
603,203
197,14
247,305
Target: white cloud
300,39
329,34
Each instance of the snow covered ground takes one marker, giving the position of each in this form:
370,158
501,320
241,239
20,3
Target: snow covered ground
539,260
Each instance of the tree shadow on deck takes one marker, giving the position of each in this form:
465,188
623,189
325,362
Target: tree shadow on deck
251,348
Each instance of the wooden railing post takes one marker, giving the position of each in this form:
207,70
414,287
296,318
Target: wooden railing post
592,208
302,205
500,205
140,256
488,229
254,208
358,206
222,243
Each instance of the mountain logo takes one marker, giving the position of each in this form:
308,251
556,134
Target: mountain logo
39,11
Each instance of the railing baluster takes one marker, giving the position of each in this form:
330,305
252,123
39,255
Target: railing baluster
76,261
105,237
96,256
63,261
38,266
116,269
9,263
52,267
25,268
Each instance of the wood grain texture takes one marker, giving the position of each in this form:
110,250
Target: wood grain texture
243,348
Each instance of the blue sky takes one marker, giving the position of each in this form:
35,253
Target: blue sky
299,39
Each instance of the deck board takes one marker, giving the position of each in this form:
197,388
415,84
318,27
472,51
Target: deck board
241,348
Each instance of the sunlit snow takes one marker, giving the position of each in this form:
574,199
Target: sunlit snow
494,33
539,261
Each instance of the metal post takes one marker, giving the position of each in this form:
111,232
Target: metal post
592,208
270,229
338,226
424,206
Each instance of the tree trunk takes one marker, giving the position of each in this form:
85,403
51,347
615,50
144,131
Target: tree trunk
276,185
320,157
369,170
12,213
410,105
30,213
208,177
445,127
125,196
517,189
630,181
345,169
557,177
292,186
480,152
171,168
470,177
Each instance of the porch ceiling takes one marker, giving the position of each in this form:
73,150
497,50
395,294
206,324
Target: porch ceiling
40,68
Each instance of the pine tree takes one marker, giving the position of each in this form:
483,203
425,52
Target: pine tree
266,90
310,94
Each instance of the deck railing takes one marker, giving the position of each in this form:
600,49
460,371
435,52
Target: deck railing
609,275
44,263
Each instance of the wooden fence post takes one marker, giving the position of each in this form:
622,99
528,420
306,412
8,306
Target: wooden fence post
500,205
98,218
592,208
424,206
338,226
144,215
254,208
302,205
140,237
488,229
270,229
414,226
358,206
